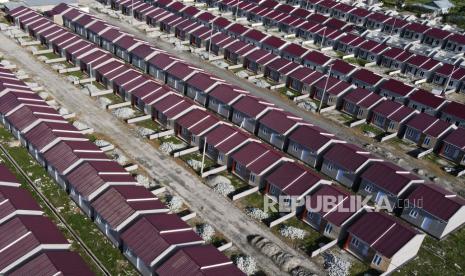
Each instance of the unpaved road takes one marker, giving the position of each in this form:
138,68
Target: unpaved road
349,134
213,208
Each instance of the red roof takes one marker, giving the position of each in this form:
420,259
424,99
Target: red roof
311,137
256,157
54,263
201,81
15,199
428,124
279,121
417,27
438,33
389,177
152,235
366,76
317,57
251,106
446,70
396,87
436,200
362,97
458,38
198,260
384,233
339,214
119,203
455,109
274,42
293,179
225,93
294,49
393,110
426,98
342,67
348,156
456,138
397,54
7,177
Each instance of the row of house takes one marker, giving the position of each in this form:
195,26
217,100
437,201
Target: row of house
124,210
31,243
246,157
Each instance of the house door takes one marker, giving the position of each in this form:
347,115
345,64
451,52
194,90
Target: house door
304,155
379,197
426,223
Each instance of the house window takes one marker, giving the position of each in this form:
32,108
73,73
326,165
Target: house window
295,147
328,228
427,140
377,260
413,213
391,125
252,177
369,188
355,242
329,166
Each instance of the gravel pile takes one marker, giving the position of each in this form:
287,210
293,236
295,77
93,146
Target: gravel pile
175,203
247,264
292,232
101,143
144,132
119,157
195,164
206,231
256,213
168,147
335,265
242,74
224,189
123,113
104,102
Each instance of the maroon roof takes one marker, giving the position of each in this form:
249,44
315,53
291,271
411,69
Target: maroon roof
437,33
393,110
417,27
446,70
237,28
384,233
15,199
436,200
198,260
180,70
153,234
7,177
361,12
225,93
279,121
255,35
250,106
45,133
142,50
339,214
348,156
29,232
428,124
316,57
293,179
397,87
366,76
311,137
294,49
397,54
458,38
426,98
456,138
25,116
274,42
342,67
389,177
54,263
256,157
362,97
161,60
455,109
119,203
226,138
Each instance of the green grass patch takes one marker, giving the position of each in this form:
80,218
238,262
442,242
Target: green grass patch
115,99
356,61
235,181
254,200
78,74
150,124
371,128
170,139
110,256
51,55
209,163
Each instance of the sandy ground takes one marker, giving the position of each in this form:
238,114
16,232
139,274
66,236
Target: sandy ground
215,209
350,135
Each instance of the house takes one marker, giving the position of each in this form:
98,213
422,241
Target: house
450,76
421,67
454,112
427,102
257,60
426,130
254,161
383,241
178,74
303,79
90,179
143,96
396,90
274,45
325,6
359,103
235,51
391,116
139,55
349,44
16,201
7,178
436,37
293,52
316,61
167,109
200,85
291,183
63,262
162,236
376,21
345,162
25,235
158,65
387,184
254,37
395,58
435,210
222,97
65,156
308,30
341,70
222,141
341,11
455,43
453,146
248,110
308,144
331,222
358,16
119,207
366,79
193,125
278,70
415,31
395,25
201,260
330,91
371,51
275,126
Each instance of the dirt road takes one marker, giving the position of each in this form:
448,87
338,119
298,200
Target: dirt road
349,134
213,208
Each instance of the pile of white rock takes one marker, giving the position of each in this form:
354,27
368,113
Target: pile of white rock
292,232
247,264
175,203
123,113
256,213
206,231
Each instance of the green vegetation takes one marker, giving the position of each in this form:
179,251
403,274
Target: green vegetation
170,139
115,99
371,128
51,55
110,256
457,14
235,181
150,124
78,74
198,157
357,61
